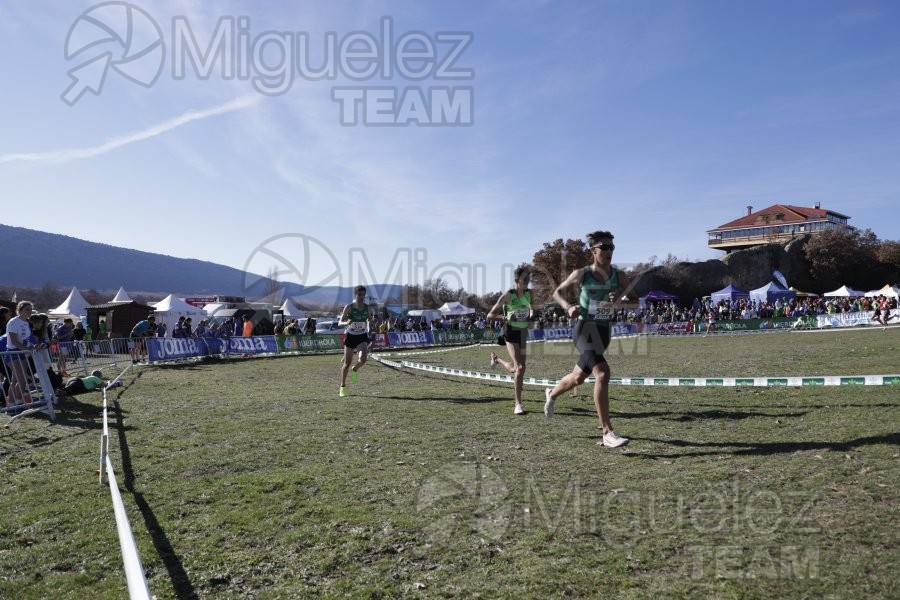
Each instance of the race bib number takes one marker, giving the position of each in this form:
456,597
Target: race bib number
357,327
600,311
520,315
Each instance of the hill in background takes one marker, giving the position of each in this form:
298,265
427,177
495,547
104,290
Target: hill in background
33,258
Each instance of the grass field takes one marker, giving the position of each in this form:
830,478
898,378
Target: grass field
252,479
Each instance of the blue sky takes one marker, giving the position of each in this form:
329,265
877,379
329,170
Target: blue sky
656,120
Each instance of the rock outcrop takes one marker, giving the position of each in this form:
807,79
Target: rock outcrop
747,269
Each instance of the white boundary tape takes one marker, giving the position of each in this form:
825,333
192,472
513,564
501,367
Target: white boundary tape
826,380
131,557
421,352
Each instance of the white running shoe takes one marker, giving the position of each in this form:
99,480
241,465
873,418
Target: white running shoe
518,410
493,359
611,440
548,405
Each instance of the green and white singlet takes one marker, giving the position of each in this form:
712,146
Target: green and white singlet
517,309
594,298
359,320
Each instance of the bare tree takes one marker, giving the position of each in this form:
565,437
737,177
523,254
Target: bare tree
272,293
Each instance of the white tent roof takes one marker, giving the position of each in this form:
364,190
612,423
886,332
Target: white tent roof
844,292
171,307
289,310
174,304
121,296
891,291
450,309
75,305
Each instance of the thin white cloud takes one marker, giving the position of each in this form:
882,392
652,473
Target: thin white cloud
70,154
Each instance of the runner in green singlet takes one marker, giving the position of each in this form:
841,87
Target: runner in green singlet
600,286
355,317
514,307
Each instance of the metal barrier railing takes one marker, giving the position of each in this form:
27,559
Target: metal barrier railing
26,388
84,357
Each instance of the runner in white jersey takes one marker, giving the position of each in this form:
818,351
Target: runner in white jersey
356,318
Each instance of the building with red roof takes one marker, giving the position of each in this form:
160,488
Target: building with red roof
778,223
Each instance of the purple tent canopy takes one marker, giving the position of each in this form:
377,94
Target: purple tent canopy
730,292
772,292
657,295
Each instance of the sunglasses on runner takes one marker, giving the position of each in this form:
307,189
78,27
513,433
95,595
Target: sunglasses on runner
604,247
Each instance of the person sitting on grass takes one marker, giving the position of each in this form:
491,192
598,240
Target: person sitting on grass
80,385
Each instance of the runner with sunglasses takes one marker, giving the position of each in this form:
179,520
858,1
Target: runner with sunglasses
599,285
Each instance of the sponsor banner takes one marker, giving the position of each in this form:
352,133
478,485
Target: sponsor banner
755,324
174,348
490,335
732,325
623,329
806,322
784,323
845,319
200,301
565,333
410,338
319,342
264,344
379,340
159,349
558,333
457,336
680,327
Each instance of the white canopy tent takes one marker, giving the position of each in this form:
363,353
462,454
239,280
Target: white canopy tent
171,307
889,291
844,292
290,311
455,309
74,306
121,296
